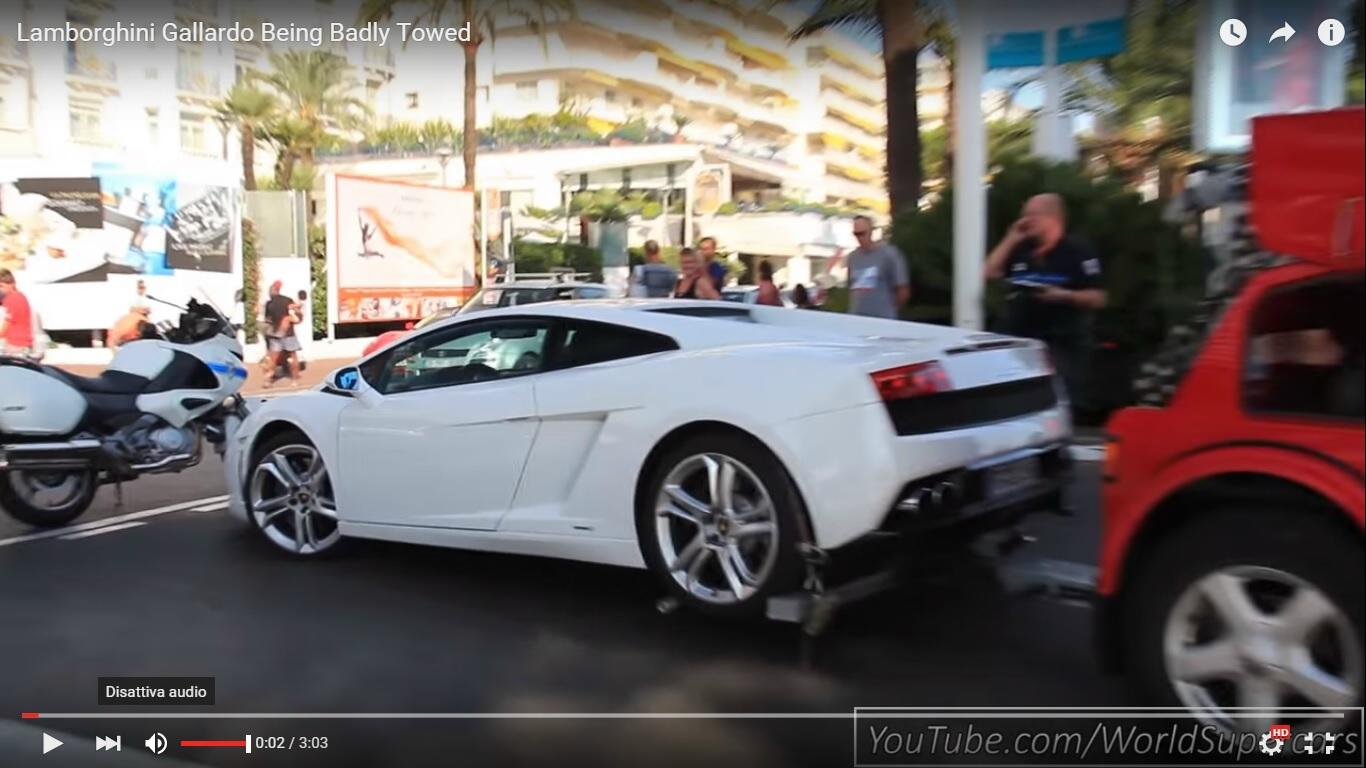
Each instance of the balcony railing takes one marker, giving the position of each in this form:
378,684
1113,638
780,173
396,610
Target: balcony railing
197,82
82,64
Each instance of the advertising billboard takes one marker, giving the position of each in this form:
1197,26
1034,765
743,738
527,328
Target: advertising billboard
80,244
398,251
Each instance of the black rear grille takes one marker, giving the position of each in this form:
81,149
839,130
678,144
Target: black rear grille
963,408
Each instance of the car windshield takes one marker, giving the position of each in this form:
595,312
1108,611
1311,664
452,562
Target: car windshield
516,296
734,295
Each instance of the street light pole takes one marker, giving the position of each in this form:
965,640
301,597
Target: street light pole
443,156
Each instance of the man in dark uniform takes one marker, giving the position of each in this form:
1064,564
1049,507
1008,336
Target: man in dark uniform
1054,285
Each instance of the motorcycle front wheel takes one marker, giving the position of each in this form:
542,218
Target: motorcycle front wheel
47,499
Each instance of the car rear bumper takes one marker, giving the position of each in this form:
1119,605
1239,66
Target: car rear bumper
964,499
853,470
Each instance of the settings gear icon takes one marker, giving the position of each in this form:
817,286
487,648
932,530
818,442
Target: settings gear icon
1270,746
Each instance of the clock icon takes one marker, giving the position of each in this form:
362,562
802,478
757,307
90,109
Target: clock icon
1233,32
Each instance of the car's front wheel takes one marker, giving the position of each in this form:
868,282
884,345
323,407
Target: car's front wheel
290,498
1256,609
718,525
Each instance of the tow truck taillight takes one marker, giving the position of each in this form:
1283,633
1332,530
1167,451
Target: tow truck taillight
911,381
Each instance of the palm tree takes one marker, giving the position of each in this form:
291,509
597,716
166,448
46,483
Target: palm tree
315,88
250,110
294,140
903,32
481,16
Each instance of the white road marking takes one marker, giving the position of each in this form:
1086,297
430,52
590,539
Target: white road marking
212,507
112,521
104,530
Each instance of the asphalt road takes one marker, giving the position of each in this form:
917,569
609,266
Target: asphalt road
392,628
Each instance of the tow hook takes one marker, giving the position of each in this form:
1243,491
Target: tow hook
1013,541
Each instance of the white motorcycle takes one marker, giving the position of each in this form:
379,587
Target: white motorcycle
62,435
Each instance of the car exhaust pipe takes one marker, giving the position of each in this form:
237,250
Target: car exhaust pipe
932,499
72,454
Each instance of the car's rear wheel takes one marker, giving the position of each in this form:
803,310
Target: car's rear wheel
1254,609
290,498
718,524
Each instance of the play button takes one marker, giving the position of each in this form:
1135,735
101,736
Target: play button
50,743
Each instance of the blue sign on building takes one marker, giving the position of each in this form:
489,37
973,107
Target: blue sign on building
1015,49
1091,41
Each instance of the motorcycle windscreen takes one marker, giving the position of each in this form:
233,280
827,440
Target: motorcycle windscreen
1308,183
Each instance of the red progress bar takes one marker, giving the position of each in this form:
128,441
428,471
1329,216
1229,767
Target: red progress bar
28,715
237,743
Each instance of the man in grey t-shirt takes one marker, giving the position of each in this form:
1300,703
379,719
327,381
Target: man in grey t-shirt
879,283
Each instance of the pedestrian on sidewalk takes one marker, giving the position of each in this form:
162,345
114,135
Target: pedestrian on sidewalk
282,346
133,326
695,283
16,323
769,294
1054,284
715,269
654,279
879,282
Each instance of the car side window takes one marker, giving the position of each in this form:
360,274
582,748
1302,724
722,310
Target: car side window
1304,351
586,343
463,354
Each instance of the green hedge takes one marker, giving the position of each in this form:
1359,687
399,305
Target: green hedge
251,282
543,257
317,255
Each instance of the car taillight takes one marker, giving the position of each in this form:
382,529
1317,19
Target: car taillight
1110,467
911,381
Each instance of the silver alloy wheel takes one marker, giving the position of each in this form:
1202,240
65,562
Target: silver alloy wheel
292,502
1260,638
717,528
50,491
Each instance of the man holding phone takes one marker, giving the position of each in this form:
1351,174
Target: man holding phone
1054,284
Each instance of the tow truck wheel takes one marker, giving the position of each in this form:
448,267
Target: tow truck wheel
1250,608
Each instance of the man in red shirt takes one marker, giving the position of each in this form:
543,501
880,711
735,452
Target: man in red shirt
16,326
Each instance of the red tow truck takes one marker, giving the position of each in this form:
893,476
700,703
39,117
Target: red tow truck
1231,569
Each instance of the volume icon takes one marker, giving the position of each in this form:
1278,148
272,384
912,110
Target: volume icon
156,742
103,743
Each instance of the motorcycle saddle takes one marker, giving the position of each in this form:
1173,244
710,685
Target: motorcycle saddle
107,383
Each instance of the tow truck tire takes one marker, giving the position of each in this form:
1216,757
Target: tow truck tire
1310,547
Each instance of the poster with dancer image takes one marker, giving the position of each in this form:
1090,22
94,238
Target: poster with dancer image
398,251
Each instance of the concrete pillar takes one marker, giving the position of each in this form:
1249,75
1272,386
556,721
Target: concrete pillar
970,167
1052,127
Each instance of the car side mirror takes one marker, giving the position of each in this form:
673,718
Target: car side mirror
348,381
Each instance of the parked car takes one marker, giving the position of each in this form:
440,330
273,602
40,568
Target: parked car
592,430
514,294
749,294
1232,554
